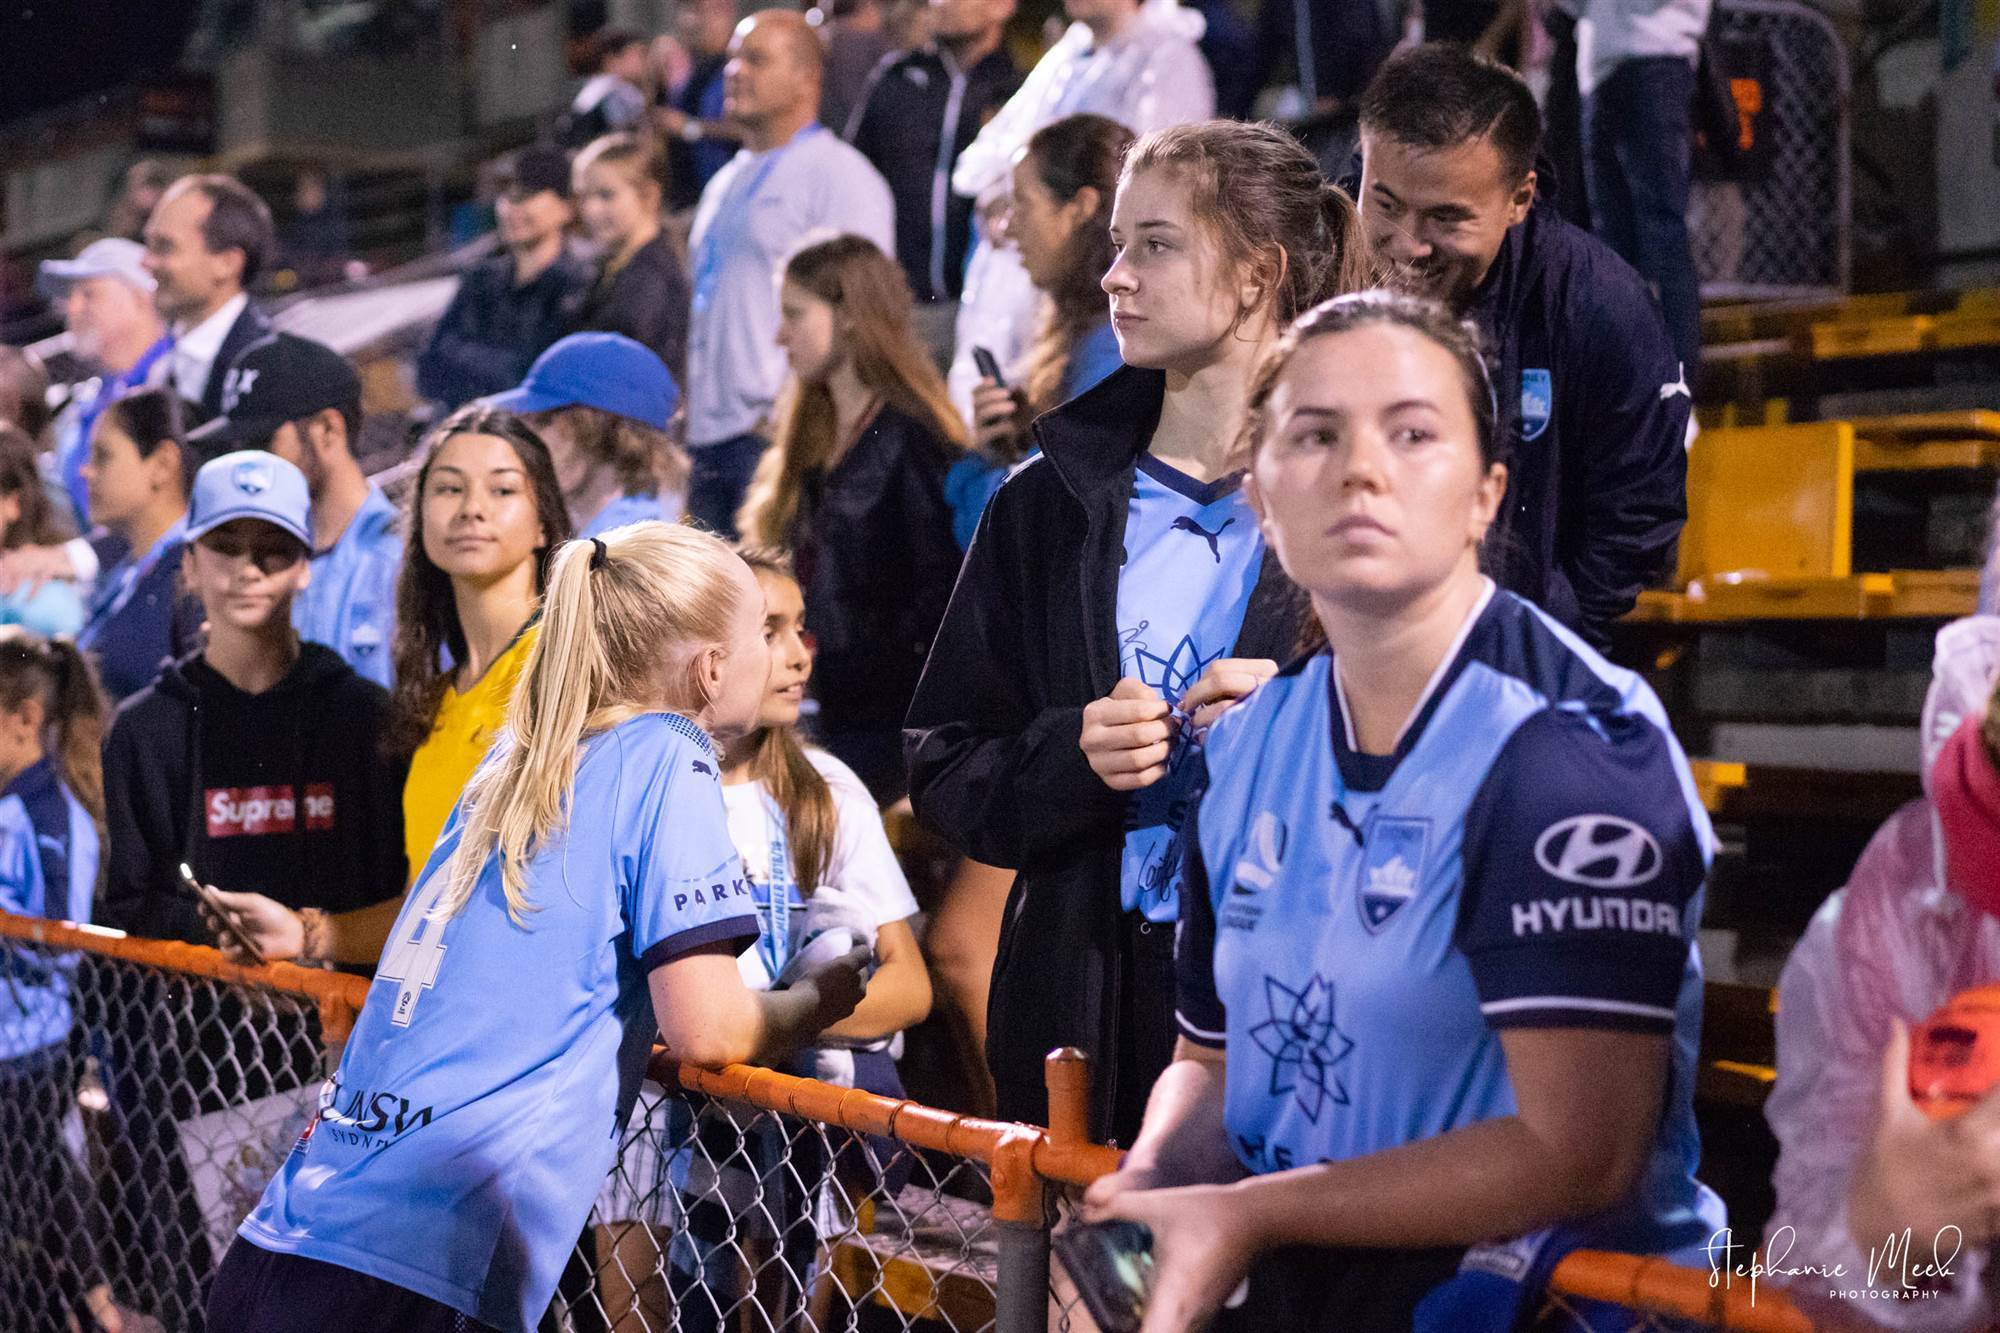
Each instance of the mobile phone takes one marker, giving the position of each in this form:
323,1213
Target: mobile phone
988,366
222,914
1111,1264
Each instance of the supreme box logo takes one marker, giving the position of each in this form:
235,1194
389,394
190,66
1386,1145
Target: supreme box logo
250,811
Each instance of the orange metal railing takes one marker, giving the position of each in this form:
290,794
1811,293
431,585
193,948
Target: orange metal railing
1023,1161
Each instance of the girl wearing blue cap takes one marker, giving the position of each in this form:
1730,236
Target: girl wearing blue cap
256,760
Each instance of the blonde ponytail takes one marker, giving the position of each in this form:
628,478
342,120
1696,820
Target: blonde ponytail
624,617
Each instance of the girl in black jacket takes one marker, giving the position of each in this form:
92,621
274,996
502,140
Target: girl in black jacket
642,287
854,488
1114,600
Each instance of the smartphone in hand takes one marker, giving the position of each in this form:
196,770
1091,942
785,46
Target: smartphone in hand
222,914
1111,1264
989,367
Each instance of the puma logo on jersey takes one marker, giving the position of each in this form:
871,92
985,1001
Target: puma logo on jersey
700,767
1186,524
1679,386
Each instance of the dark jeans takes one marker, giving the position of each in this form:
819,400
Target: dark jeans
1638,129
257,1291
719,475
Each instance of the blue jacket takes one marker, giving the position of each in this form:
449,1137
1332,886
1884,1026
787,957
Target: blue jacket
139,620
1596,411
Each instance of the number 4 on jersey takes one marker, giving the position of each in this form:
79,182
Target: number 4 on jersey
413,955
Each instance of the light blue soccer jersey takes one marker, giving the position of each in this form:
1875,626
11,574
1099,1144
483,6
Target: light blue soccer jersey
1192,552
623,509
350,602
49,854
477,1108
1359,929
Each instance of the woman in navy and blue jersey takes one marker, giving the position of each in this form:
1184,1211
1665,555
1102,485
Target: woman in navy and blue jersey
51,805
1115,582
1439,994
583,895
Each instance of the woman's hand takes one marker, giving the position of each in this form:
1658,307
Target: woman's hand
1923,1174
996,418
278,932
1127,736
1202,1244
1226,680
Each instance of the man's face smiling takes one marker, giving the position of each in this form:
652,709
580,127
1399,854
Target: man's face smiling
1437,217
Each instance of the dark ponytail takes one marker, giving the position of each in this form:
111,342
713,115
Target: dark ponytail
56,672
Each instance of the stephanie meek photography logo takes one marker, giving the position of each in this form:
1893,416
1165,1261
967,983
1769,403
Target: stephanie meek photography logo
1902,1268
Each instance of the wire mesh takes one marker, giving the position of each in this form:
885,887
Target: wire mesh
143,1108
141,1115
723,1216
1787,231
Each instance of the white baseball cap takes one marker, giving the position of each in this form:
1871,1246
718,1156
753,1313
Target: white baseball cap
112,257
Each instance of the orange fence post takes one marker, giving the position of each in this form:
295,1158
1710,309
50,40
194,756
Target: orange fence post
1066,1073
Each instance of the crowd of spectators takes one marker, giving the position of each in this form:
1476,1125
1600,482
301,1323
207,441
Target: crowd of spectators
1031,395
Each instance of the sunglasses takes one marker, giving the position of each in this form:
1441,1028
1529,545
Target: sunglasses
270,557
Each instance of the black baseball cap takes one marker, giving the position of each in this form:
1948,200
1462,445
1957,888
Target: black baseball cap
283,378
536,168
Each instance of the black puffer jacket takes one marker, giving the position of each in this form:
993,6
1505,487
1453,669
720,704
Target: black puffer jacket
1030,639
876,560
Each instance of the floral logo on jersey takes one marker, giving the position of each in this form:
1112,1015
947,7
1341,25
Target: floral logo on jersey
1172,675
1393,868
1538,398
1304,1044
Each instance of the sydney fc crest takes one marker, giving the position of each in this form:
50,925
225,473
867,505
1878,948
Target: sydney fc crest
1538,402
1393,867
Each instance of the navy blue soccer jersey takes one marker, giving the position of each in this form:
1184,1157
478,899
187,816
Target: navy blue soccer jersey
1192,552
1358,929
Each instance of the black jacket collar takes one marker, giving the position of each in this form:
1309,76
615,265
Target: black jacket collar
1093,439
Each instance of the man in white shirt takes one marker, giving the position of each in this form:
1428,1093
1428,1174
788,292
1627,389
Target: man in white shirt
206,242
1635,67
1135,63
792,180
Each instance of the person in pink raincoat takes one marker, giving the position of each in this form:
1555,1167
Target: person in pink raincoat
1918,922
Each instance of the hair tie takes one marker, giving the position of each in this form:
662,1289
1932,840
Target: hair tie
597,553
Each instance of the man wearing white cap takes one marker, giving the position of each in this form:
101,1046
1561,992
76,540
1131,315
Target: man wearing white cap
106,296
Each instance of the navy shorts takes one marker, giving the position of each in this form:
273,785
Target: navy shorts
258,1291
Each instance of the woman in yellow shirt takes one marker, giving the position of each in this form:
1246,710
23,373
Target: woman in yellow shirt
486,516
484,520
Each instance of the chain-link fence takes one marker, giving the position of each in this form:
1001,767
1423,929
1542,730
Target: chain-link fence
1782,225
148,1091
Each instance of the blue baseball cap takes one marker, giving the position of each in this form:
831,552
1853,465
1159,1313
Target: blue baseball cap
250,484
607,371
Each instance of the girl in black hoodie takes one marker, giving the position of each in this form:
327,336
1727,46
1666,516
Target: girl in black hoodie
258,761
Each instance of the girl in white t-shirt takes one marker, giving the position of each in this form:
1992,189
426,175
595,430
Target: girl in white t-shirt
823,877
